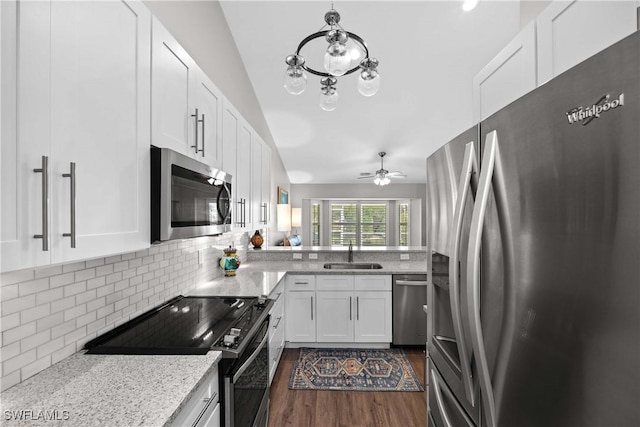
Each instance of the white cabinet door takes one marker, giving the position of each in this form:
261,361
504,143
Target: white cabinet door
82,98
100,91
373,316
300,316
265,182
209,105
230,125
335,316
257,210
174,81
511,74
571,31
244,174
25,132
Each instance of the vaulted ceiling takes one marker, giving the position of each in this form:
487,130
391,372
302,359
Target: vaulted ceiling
429,52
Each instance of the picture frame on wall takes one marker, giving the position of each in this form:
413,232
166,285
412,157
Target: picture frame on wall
283,196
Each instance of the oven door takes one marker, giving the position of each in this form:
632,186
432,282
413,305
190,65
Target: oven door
246,383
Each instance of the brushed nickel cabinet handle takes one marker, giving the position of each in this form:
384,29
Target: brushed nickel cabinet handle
72,183
203,134
195,140
44,170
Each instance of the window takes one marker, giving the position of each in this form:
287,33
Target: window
373,224
315,224
360,223
403,223
344,224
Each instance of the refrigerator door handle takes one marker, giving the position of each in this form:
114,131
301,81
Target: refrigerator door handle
467,184
436,388
491,175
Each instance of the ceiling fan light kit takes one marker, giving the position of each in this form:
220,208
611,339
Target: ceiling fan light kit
382,176
339,59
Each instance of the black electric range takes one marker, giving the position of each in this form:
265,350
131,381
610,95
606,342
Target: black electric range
188,325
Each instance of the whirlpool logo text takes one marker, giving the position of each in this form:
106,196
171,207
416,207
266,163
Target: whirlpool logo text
586,115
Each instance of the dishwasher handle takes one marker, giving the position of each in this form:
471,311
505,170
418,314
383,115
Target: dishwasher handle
410,282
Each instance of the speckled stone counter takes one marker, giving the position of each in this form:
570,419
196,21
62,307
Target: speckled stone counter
261,278
107,390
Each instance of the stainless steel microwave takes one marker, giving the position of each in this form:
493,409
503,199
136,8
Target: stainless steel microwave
188,198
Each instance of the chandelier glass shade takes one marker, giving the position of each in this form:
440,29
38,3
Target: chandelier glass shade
339,60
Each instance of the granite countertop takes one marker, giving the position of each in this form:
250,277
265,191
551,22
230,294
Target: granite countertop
115,390
261,278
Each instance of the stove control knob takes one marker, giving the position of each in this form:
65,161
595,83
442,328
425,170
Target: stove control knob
230,340
235,331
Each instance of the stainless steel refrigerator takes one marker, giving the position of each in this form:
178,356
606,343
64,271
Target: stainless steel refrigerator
534,227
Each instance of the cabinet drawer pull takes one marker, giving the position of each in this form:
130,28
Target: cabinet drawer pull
279,319
44,170
72,183
311,308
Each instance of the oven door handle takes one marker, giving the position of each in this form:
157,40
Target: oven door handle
251,358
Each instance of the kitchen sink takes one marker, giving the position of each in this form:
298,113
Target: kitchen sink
352,266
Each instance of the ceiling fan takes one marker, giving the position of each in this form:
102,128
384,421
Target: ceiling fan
381,176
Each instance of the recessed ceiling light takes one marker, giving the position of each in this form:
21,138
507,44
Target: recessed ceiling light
468,5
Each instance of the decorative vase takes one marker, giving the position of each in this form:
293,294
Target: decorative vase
229,264
257,240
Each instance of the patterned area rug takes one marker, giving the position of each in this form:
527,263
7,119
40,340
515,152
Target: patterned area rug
353,369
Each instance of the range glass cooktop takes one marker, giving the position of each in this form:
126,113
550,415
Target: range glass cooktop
184,325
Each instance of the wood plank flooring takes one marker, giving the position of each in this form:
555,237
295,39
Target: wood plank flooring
307,408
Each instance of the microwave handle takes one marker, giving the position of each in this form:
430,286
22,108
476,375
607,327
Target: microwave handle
227,212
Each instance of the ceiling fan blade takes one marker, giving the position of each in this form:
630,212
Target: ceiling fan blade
365,177
396,175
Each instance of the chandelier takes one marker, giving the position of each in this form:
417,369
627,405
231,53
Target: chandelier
340,59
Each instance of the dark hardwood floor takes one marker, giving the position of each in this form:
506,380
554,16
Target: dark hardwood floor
301,408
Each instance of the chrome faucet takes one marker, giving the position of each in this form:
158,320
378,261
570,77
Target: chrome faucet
350,257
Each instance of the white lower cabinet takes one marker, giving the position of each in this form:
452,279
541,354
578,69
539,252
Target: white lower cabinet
203,409
342,309
300,308
276,329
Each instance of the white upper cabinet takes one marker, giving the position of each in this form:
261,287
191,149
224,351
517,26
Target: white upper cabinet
511,74
571,31
82,103
209,126
174,83
236,160
260,182
186,104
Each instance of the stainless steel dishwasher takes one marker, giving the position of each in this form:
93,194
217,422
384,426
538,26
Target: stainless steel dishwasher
409,320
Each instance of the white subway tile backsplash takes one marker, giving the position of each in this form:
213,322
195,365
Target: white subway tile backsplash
9,322
76,266
48,271
8,292
35,313
51,312
49,321
33,286
75,288
104,270
35,367
63,304
35,340
23,359
48,296
86,296
74,312
17,277
62,329
113,259
18,304
61,280
95,262
87,274
49,347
